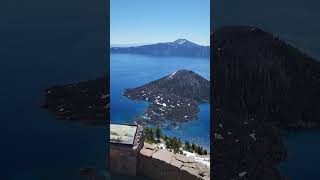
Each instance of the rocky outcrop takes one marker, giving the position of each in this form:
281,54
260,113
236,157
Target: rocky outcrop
86,102
174,97
261,86
159,164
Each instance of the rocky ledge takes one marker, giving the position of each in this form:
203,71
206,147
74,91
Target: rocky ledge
173,166
174,97
84,102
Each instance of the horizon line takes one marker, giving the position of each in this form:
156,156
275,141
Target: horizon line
141,44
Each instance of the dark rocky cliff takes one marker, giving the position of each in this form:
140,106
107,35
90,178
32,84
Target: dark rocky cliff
262,85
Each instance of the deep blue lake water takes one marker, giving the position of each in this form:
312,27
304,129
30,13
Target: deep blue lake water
129,71
35,53
303,155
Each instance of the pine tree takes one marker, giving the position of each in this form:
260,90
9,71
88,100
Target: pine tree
196,149
149,135
200,150
168,144
158,134
176,146
205,152
187,146
165,137
193,147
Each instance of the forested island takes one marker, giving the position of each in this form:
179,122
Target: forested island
174,97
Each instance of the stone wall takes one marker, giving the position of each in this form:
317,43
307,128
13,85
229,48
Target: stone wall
161,164
123,158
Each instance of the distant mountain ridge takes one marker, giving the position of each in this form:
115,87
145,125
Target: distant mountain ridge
179,47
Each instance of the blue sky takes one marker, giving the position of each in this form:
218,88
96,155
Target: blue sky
152,21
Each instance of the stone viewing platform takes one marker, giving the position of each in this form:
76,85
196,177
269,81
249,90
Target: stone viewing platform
131,156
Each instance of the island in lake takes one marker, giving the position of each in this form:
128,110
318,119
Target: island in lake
174,97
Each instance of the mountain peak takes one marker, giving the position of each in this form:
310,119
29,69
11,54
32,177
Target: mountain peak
183,72
181,41
184,43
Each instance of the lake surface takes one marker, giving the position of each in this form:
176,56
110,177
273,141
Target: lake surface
303,155
35,53
129,71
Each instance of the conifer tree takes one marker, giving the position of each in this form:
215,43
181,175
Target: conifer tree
149,135
158,134
193,147
205,152
187,146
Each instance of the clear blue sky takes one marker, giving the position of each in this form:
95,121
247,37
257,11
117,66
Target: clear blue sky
152,21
